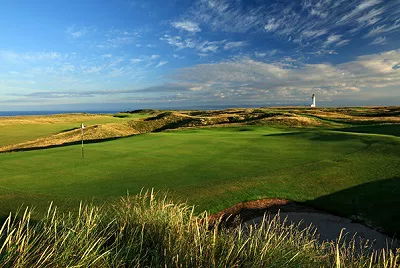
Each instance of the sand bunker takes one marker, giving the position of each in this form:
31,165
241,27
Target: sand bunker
329,228
328,225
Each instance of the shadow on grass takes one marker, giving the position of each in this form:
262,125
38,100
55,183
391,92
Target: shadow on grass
346,121
318,135
335,137
389,129
327,136
69,129
379,112
376,204
67,144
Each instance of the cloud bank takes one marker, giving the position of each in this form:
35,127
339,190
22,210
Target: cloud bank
247,80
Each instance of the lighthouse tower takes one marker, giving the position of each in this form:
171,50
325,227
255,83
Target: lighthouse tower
313,101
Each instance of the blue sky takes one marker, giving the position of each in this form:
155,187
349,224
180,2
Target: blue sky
127,54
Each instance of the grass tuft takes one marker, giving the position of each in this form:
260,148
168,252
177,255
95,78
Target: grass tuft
150,230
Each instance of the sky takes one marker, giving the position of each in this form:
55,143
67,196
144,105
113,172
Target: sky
129,54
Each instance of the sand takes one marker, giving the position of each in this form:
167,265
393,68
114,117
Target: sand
329,228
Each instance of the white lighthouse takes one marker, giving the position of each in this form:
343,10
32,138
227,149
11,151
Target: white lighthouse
313,100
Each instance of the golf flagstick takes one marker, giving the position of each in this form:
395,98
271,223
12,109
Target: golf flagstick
82,127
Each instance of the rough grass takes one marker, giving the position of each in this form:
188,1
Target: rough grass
150,231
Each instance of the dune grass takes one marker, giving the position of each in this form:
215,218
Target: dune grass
216,168
153,231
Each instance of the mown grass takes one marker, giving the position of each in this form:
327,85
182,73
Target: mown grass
153,231
215,168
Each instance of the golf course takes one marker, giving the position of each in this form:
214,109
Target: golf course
167,188
343,162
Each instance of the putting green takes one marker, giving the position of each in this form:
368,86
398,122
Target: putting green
214,168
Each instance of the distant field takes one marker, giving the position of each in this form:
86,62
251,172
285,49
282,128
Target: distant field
343,170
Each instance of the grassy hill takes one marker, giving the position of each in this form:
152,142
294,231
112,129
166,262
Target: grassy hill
20,129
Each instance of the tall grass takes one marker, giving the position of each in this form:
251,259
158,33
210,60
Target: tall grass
149,230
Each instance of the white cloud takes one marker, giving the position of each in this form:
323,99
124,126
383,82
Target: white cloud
207,46
335,39
225,15
116,61
118,37
272,25
30,56
161,63
371,17
358,9
176,56
235,45
269,53
67,67
342,43
379,41
322,52
247,78
383,29
241,79
310,34
189,26
178,41
117,42
148,59
75,33
260,54
136,60
302,22
94,69
202,47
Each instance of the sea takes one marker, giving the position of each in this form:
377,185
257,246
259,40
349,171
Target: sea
16,113
208,107
197,107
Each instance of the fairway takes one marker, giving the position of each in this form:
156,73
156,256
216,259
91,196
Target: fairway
215,168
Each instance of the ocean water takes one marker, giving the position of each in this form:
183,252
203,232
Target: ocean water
189,107
15,113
